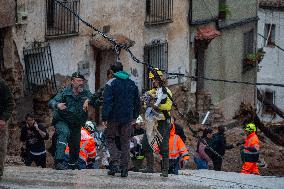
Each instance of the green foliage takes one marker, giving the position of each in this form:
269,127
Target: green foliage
224,8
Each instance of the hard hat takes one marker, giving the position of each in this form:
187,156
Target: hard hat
159,72
89,126
139,120
250,127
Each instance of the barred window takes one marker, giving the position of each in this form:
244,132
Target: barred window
2,49
60,22
39,67
158,11
156,54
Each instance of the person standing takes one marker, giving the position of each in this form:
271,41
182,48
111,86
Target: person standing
201,158
250,150
163,104
6,108
70,114
34,134
121,106
219,145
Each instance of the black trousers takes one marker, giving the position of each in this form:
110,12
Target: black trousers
40,160
217,164
123,130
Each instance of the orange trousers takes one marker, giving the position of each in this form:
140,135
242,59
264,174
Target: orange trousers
250,168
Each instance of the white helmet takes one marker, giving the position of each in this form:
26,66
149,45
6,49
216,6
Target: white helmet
139,120
89,126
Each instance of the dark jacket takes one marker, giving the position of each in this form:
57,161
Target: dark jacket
6,101
180,132
32,138
121,99
219,144
74,114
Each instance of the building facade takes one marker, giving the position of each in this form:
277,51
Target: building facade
223,33
270,29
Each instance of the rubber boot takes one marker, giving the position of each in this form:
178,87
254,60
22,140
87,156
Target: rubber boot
165,167
149,163
113,169
124,172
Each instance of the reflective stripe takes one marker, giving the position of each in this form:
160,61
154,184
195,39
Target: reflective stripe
174,151
38,153
62,143
83,147
184,154
92,151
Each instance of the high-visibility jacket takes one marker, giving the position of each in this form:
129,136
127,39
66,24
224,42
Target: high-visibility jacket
177,147
166,104
87,146
251,148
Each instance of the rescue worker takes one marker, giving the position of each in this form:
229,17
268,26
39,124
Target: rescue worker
177,150
163,104
250,150
121,106
6,108
70,113
87,152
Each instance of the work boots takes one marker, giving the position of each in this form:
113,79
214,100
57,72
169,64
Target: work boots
113,169
164,167
73,166
150,163
60,165
124,172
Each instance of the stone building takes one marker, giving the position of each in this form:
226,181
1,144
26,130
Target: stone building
49,43
270,29
223,33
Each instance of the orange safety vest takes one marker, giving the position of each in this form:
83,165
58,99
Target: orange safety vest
252,141
177,147
87,146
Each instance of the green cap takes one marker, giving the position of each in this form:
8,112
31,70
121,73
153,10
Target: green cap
77,75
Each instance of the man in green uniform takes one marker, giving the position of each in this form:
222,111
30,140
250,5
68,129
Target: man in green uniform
70,114
6,108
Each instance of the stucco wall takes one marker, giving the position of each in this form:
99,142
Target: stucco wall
224,60
7,13
124,17
272,67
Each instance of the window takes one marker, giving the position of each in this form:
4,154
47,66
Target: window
2,49
39,67
156,54
269,97
269,33
158,11
59,20
249,48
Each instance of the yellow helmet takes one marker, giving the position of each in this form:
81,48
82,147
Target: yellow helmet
159,72
250,127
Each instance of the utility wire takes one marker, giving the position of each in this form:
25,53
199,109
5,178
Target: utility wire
274,44
118,47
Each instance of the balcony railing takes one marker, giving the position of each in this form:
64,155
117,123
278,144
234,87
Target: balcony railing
158,11
60,22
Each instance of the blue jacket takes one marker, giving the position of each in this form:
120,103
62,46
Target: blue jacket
121,99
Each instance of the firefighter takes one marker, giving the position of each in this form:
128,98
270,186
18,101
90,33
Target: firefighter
163,104
250,150
177,150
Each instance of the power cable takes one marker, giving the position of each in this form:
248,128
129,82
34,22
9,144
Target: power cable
118,47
